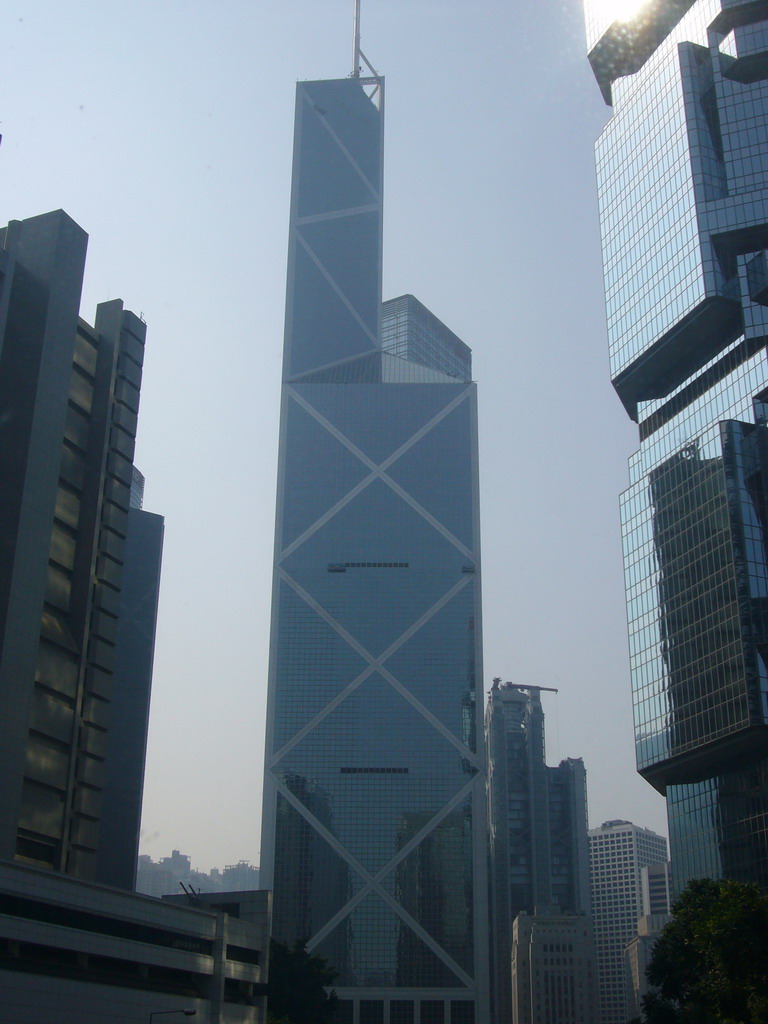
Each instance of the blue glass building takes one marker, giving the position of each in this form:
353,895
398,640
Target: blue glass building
374,818
682,172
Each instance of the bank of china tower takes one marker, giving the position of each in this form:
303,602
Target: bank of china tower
373,834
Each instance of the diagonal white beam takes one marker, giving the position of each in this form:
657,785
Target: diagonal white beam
426,938
320,523
331,281
301,378
329,707
411,845
332,430
415,438
322,830
326,616
350,211
377,471
426,713
352,447
433,522
374,664
372,885
324,121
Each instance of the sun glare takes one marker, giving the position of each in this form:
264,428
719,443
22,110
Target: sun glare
620,10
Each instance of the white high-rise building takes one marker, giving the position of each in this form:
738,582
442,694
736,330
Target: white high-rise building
618,852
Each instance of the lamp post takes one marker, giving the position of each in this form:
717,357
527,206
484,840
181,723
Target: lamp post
157,1013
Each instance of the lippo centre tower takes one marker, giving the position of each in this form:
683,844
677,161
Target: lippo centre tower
682,168
374,817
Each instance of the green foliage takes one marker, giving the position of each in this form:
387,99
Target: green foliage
297,986
710,964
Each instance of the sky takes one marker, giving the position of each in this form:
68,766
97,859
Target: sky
165,130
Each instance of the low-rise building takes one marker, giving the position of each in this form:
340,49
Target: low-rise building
638,955
554,976
75,952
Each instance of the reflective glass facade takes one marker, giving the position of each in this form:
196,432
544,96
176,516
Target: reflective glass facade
682,167
374,817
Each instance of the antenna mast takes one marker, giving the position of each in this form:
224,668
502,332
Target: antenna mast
356,43
373,78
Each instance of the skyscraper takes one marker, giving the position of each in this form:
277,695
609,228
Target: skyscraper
682,168
374,817
69,397
618,852
539,857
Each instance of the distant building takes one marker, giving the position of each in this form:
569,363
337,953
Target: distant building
554,976
656,887
69,398
163,877
539,856
618,851
166,876
78,953
242,876
637,956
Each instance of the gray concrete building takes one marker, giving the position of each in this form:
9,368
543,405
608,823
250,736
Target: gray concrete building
75,952
554,976
79,576
69,397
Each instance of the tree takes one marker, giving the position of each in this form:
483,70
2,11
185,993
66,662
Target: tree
296,992
710,964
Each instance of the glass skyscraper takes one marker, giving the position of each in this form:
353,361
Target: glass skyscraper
682,174
374,818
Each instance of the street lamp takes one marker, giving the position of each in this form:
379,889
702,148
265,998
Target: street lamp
156,1013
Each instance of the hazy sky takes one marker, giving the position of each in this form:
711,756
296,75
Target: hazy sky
164,128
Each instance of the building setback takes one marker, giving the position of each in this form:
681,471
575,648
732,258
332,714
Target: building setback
69,397
618,852
374,810
682,166
134,656
539,857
